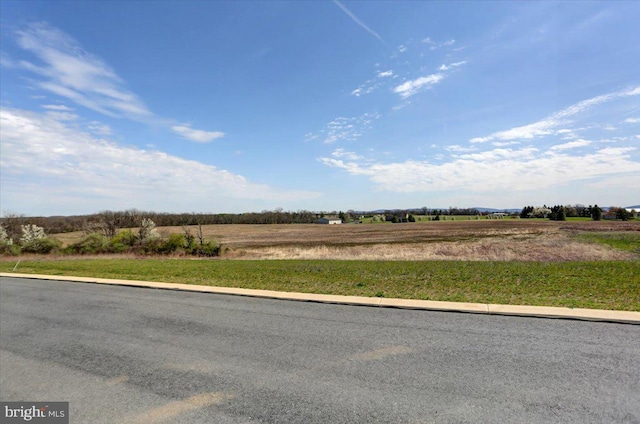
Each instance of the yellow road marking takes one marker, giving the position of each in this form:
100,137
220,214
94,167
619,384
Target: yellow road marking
173,409
117,380
384,352
198,366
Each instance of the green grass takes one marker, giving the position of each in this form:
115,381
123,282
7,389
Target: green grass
600,285
629,241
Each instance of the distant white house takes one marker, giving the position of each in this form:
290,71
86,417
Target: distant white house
324,220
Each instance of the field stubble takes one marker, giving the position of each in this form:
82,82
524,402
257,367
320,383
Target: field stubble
475,241
485,240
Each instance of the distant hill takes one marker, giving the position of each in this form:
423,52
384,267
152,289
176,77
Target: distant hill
632,207
490,210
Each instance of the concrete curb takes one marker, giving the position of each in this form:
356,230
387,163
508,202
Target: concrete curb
626,317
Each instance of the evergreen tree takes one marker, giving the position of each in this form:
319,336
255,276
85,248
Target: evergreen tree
596,213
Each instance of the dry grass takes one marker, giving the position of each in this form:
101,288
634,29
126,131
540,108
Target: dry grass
482,240
544,248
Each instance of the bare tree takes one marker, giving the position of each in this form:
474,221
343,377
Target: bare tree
189,238
199,234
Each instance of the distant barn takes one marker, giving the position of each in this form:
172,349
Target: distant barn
324,220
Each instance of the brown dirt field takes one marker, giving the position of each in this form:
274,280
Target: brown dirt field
455,240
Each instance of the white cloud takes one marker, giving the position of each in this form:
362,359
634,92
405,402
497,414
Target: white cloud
457,148
346,129
61,108
46,162
480,139
548,125
62,116
632,120
342,153
496,155
571,145
451,65
402,48
366,88
65,69
411,87
198,136
98,128
433,45
373,84
494,171
504,143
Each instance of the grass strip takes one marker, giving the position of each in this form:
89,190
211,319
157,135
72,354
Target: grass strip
629,241
599,285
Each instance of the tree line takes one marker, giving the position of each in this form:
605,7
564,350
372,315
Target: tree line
108,222
561,213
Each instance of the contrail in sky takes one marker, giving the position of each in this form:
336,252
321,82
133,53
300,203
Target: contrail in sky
358,21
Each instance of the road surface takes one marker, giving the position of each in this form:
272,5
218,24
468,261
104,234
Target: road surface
123,354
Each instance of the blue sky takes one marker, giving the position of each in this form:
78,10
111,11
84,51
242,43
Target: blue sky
246,106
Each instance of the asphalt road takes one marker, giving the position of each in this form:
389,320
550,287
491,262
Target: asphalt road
122,354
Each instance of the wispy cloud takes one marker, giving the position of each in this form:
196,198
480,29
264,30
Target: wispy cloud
373,84
342,153
98,128
452,65
64,68
357,20
414,86
57,107
457,148
411,87
43,158
513,164
548,125
494,170
571,145
198,136
434,45
62,116
345,128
